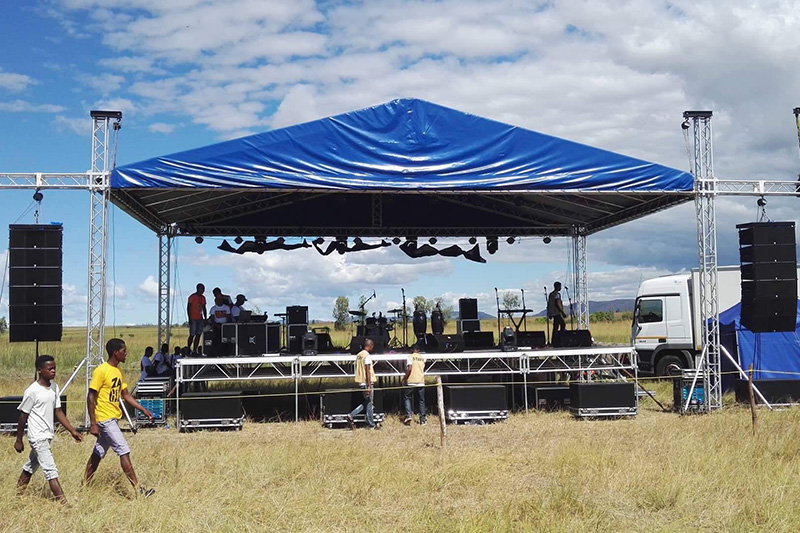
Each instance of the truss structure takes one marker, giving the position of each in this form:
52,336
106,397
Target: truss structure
579,277
164,286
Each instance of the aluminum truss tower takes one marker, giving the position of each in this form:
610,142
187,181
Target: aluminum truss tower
579,277
164,250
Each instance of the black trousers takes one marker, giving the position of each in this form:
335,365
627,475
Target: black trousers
558,323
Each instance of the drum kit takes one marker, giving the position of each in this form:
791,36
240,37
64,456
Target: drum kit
381,327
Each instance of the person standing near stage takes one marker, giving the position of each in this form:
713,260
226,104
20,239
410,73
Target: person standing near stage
236,308
106,389
40,402
365,378
415,384
196,311
555,309
146,364
226,299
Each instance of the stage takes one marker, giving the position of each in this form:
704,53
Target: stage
585,364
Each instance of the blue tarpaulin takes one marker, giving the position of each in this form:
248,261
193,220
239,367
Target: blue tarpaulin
774,355
400,145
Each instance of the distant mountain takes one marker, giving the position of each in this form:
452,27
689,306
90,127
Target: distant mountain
624,304
481,315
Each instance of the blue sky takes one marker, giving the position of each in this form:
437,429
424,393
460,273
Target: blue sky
187,73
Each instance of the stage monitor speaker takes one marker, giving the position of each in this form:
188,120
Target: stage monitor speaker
443,343
578,338
357,344
534,339
478,339
297,314
34,299
475,397
602,395
768,257
468,325
468,309
775,391
211,405
296,334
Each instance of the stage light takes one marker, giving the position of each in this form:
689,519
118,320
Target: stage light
685,124
510,240
38,196
238,240
432,240
473,240
198,240
491,245
396,241
547,240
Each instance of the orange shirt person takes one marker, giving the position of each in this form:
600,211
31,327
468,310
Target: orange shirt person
196,311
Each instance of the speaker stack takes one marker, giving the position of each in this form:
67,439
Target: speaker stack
468,320
768,256
35,306
297,327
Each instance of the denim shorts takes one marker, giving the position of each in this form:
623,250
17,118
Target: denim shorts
110,437
196,326
41,456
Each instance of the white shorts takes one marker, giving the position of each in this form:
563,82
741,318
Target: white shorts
41,456
110,437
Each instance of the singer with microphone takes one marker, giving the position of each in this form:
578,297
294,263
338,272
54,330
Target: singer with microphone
555,309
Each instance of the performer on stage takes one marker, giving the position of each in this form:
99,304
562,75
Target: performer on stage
225,297
236,308
555,308
196,311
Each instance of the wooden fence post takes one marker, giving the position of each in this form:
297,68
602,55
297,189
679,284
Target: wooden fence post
440,401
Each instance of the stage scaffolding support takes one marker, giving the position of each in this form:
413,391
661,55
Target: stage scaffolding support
579,277
707,363
165,237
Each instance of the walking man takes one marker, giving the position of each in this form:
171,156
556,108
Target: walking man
365,378
106,388
415,384
40,402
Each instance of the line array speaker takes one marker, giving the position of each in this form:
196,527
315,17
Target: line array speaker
768,258
468,309
35,300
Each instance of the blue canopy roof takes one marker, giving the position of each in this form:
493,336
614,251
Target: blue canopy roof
404,168
402,144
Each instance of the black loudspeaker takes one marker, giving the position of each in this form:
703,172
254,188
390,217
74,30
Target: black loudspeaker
768,256
253,339
324,343
775,391
549,397
602,395
444,343
357,344
310,343
468,309
437,322
9,413
34,264
297,314
475,397
578,338
468,325
342,403
211,405
478,339
296,334
534,339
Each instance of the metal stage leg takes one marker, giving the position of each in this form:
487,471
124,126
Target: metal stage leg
579,277
708,363
164,249
104,127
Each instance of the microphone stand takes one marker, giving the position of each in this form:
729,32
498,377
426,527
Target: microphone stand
497,299
405,319
546,318
571,314
363,306
524,314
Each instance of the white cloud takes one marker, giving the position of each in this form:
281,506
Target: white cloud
148,288
14,82
117,104
161,127
22,106
103,83
79,126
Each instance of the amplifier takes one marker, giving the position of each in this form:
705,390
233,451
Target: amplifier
478,339
444,343
603,399
578,338
200,410
775,391
468,325
534,339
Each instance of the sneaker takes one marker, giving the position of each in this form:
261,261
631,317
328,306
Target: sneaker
423,422
146,493
351,422
407,421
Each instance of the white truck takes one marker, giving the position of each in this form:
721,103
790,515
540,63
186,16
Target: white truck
666,320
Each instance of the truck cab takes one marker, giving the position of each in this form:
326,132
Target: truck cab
662,325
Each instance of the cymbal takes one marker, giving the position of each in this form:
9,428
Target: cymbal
395,311
357,313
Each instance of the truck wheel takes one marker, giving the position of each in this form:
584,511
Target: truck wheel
669,365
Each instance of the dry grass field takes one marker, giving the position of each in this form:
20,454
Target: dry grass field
534,472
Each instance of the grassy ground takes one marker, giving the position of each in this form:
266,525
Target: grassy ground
540,471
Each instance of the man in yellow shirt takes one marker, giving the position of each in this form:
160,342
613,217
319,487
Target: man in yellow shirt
106,388
365,377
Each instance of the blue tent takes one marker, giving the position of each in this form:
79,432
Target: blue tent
368,170
774,355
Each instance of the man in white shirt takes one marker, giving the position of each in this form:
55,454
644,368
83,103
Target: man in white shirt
365,378
220,314
146,365
161,361
236,309
40,402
